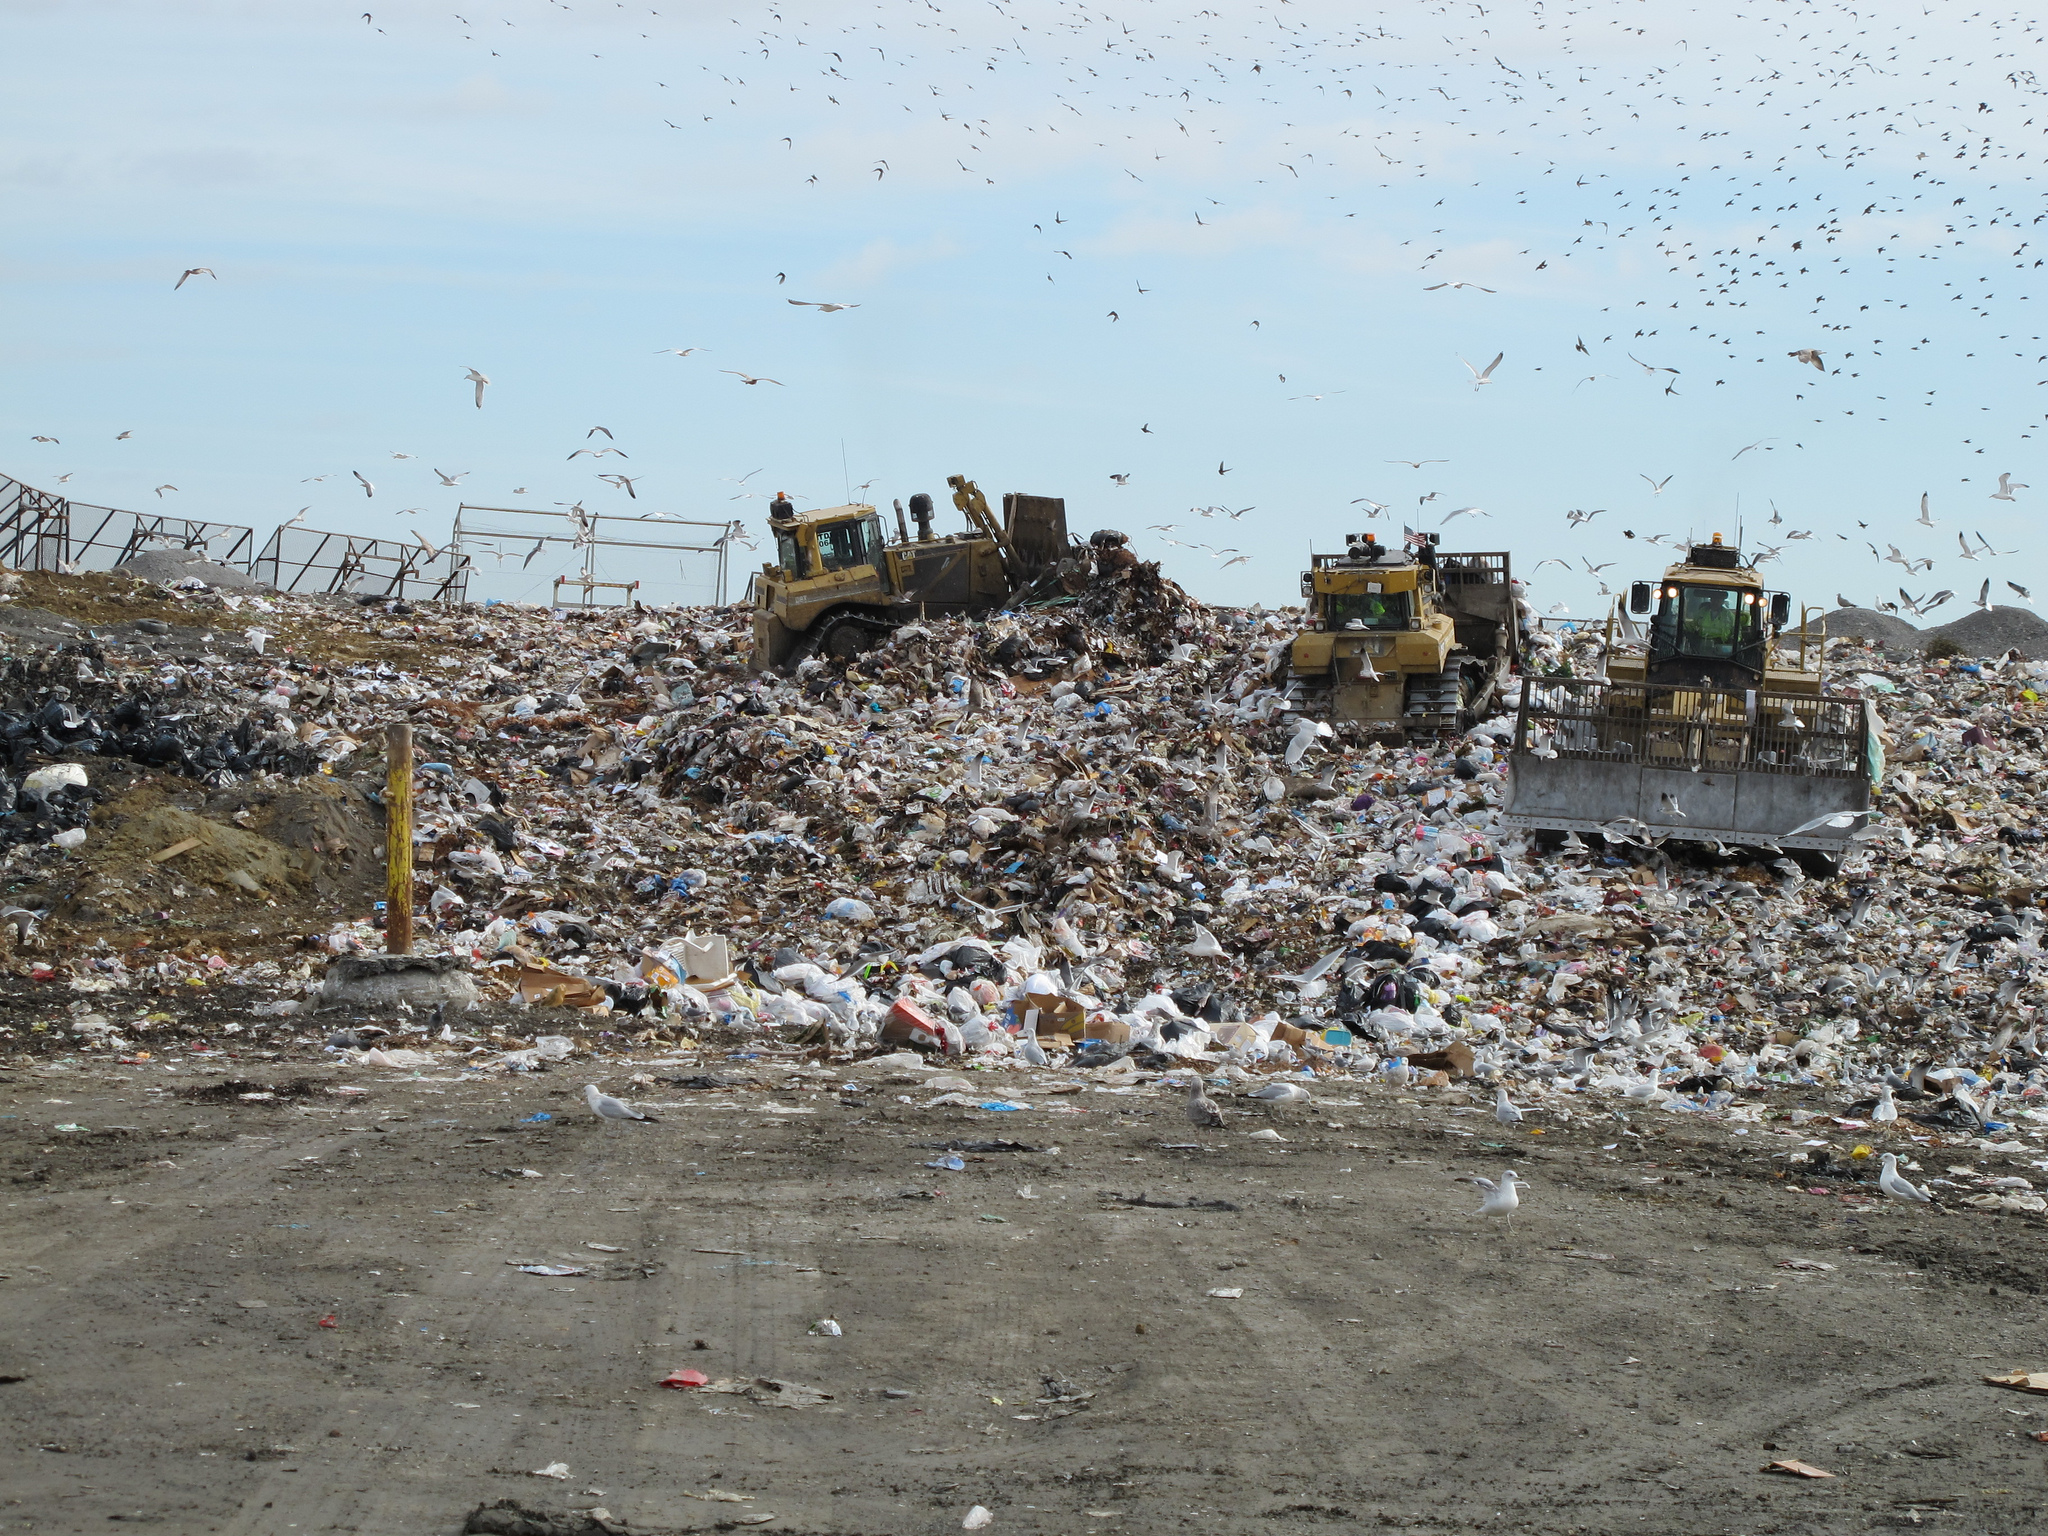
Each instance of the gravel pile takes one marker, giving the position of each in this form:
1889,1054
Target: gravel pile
1887,630
1995,633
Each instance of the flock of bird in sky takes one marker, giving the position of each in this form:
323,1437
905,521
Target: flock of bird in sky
1763,195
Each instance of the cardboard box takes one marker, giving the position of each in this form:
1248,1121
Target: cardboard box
1047,1012
1455,1058
557,989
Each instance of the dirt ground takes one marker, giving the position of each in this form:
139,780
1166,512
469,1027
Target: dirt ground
1037,1333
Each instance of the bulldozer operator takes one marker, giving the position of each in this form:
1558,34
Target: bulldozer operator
1368,610
1703,621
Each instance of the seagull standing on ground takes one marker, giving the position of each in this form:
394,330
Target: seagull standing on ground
1201,1109
1501,1199
1898,1186
605,1107
1503,1111
1280,1093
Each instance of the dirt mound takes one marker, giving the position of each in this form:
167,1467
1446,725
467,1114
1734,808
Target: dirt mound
280,857
1886,629
1996,632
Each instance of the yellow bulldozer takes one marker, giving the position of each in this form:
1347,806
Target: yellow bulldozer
838,585
1713,724
1405,642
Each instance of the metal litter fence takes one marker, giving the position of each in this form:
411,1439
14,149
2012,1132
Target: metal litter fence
1693,728
309,560
42,531
509,552
525,552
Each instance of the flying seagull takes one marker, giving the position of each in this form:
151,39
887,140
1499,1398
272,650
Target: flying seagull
368,489
2006,486
746,378
1485,375
823,309
1808,355
479,381
193,272
1432,288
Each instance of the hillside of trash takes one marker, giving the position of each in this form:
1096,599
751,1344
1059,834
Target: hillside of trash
1079,838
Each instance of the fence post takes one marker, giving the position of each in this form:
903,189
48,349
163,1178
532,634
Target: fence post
398,839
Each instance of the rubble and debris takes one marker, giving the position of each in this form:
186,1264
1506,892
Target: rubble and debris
1067,842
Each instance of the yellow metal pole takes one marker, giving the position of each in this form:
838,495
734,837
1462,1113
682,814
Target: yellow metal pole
398,840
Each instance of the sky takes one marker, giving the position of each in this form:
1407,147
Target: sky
1208,248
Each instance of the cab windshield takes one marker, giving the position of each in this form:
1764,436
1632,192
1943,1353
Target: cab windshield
1368,610
1710,623
846,545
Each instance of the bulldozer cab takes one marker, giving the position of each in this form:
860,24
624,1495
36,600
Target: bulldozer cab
834,539
1712,621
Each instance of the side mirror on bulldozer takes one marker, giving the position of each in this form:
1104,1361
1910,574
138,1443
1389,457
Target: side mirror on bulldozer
1639,597
1781,609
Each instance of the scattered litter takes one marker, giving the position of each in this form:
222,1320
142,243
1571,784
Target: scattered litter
2021,1381
1796,1469
769,1392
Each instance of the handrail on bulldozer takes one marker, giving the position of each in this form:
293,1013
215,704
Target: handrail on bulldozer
1819,641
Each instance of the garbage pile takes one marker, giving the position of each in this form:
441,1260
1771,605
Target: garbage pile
1083,837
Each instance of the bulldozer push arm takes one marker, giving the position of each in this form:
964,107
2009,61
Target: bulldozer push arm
968,498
